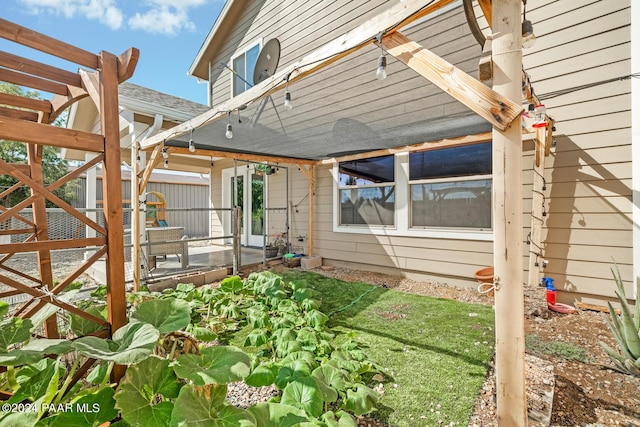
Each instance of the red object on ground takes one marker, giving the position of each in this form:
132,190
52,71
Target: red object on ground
561,308
551,297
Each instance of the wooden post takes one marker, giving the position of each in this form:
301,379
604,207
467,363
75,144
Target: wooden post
507,220
237,229
112,196
312,194
135,217
42,232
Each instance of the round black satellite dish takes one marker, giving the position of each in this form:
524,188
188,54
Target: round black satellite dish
267,61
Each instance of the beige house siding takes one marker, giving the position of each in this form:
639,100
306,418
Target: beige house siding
588,174
589,223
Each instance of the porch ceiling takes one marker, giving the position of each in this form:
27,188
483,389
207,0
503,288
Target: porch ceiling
344,110
340,108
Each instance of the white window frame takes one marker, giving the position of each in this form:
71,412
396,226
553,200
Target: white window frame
402,210
239,53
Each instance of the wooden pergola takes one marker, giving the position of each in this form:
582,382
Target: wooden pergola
500,106
30,121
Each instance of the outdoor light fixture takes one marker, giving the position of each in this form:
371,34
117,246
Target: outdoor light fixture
164,153
528,38
287,95
381,71
166,163
287,100
138,161
192,146
229,133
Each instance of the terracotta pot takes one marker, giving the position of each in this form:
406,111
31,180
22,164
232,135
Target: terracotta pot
485,275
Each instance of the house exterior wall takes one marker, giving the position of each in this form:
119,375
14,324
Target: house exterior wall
588,225
588,198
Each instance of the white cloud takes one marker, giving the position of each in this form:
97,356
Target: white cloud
165,16
104,11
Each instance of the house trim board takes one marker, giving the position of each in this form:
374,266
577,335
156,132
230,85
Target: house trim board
635,139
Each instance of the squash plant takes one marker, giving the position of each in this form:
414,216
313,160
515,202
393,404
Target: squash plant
173,379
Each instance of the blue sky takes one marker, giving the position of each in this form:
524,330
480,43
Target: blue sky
168,33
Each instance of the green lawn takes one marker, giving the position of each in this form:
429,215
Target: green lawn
434,351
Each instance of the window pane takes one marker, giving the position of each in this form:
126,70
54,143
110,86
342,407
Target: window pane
239,68
251,58
448,162
367,206
452,204
367,171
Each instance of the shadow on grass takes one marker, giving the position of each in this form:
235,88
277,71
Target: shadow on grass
427,347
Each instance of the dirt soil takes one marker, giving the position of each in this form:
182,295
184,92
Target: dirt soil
585,394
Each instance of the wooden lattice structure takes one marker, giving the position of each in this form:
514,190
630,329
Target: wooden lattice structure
30,121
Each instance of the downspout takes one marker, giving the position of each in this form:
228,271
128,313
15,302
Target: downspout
139,224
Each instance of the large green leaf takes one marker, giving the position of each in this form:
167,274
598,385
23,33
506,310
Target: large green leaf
90,410
40,389
203,406
82,326
344,419
4,308
37,384
257,338
295,369
263,375
335,377
361,401
166,315
131,343
215,365
138,394
50,309
316,318
202,334
33,351
268,414
231,284
304,393
14,330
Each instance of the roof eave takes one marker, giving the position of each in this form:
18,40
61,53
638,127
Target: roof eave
199,68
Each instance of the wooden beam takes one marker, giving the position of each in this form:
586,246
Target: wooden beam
146,174
24,102
485,66
42,234
487,103
127,62
61,102
91,85
51,245
397,16
112,190
17,231
242,156
141,118
485,5
38,133
38,69
67,281
423,146
46,44
14,113
312,196
51,300
48,193
32,82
